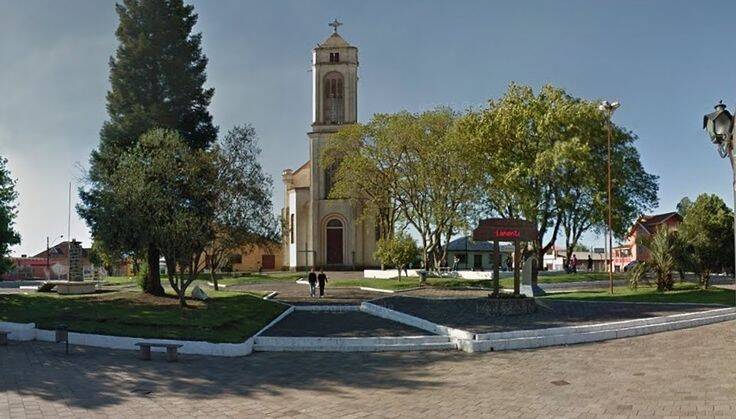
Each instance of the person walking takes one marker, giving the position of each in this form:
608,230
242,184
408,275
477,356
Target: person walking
590,263
321,279
312,279
574,264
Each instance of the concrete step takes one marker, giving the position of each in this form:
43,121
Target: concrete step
352,344
439,346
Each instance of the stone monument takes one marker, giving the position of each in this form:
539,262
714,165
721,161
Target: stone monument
529,287
75,261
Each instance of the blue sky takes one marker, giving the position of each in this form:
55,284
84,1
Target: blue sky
667,62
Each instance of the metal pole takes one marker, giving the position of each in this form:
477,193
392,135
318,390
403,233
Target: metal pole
48,263
733,172
610,229
69,237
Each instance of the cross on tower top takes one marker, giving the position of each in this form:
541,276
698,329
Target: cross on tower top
335,24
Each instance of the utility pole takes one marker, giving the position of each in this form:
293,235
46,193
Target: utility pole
608,109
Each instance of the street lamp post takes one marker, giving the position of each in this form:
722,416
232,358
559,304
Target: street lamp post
608,108
720,128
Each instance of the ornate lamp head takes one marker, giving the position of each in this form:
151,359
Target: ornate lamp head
719,126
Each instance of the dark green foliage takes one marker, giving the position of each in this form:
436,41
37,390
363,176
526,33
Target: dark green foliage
226,317
8,212
157,79
707,230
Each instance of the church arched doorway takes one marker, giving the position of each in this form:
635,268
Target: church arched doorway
334,242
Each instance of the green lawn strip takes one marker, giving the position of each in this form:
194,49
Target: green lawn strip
226,317
384,284
245,279
555,278
683,293
119,280
256,278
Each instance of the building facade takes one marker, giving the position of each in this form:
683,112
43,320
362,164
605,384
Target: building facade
319,231
464,254
644,227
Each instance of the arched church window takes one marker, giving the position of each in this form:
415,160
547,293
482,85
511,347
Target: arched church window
330,179
334,108
334,223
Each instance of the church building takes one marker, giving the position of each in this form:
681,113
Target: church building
318,231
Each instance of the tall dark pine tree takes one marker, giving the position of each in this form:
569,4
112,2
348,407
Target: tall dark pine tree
157,79
8,235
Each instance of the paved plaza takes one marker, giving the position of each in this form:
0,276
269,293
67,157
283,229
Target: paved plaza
684,373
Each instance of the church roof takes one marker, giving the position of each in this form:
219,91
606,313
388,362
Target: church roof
334,41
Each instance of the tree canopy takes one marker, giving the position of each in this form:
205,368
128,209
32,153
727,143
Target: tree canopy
157,79
8,211
410,166
707,230
545,158
242,209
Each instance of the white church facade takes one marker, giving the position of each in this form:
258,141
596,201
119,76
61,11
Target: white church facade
318,231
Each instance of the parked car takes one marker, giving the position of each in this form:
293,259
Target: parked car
631,265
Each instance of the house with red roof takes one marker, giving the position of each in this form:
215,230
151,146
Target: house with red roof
644,227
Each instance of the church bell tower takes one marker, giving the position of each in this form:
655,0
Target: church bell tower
334,83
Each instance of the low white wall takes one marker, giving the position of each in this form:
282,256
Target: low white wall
595,332
388,273
393,273
123,342
28,331
330,307
19,331
417,322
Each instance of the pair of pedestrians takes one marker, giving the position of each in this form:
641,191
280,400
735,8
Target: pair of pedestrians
315,280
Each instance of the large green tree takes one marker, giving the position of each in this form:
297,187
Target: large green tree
707,230
546,157
242,210
157,79
411,166
169,191
8,212
397,251
364,161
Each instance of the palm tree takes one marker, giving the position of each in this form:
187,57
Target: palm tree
663,251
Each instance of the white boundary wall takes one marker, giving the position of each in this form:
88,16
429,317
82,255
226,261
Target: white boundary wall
28,331
393,273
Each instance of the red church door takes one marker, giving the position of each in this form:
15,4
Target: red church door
334,242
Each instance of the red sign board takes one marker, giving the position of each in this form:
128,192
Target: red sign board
498,229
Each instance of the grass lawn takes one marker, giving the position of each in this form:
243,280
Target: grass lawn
683,293
119,280
555,277
256,278
243,279
385,284
410,282
226,317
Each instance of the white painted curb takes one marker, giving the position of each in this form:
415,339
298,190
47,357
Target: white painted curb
276,320
417,322
352,344
593,333
19,331
331,308
28,331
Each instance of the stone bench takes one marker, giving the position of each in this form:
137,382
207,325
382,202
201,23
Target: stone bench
171,350
3,338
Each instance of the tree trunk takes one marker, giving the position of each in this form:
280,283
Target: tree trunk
153,279
214,278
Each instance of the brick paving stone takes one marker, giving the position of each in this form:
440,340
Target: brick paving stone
464,313
679,373
340,324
